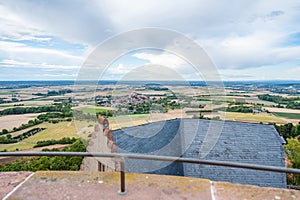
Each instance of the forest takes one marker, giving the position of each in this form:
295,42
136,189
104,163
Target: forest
49,163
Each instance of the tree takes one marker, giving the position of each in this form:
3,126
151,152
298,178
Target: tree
286,130
4,131
296,130
293,153
8,136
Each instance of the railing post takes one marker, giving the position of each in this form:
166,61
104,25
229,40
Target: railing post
122,191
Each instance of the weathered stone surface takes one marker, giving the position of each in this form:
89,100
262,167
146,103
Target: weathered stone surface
105,185
236,191
9,180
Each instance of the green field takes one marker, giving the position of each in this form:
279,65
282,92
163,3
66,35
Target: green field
5,105
123,121
116,92
7,93
53,131
221,99
128,116
288,115
257,118
92,110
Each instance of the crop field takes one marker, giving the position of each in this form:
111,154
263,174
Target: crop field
92,110
255,100
53,131
288,115
220,99
7,92
127,121
28,103
282,110
10,121
257,118
123,121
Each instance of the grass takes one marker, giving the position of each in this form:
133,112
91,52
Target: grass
225,99
128,116
53,131
92,110
288,115
4,106
115,92
127,121
7,93
250,117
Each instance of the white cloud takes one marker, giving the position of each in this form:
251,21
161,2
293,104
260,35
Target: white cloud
120,69
236,35
251,51
173,62
294,71
14,27
18,64
19,49
60,76
76,21
164,59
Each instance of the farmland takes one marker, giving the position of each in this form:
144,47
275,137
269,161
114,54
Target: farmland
127,121
176,102
52,131
257,118
288,115
10,121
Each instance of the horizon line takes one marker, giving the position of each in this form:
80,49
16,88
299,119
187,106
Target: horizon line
273,80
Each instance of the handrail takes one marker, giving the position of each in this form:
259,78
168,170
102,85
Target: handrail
154,157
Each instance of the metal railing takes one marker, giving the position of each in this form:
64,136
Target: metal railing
124,156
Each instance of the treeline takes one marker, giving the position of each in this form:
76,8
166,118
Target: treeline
54,92
79,115
242,109
273,98
59,92
49,163
25,110
293,105
52,142
23,126
54,115
9,139
290,103
288,130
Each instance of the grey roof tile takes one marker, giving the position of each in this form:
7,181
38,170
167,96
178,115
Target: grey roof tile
208,139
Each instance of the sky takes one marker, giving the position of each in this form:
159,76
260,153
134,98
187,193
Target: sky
246,40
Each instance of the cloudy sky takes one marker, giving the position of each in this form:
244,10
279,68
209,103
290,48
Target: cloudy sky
246,40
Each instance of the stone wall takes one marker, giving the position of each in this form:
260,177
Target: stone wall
102,141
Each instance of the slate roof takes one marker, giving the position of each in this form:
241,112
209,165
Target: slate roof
207,139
